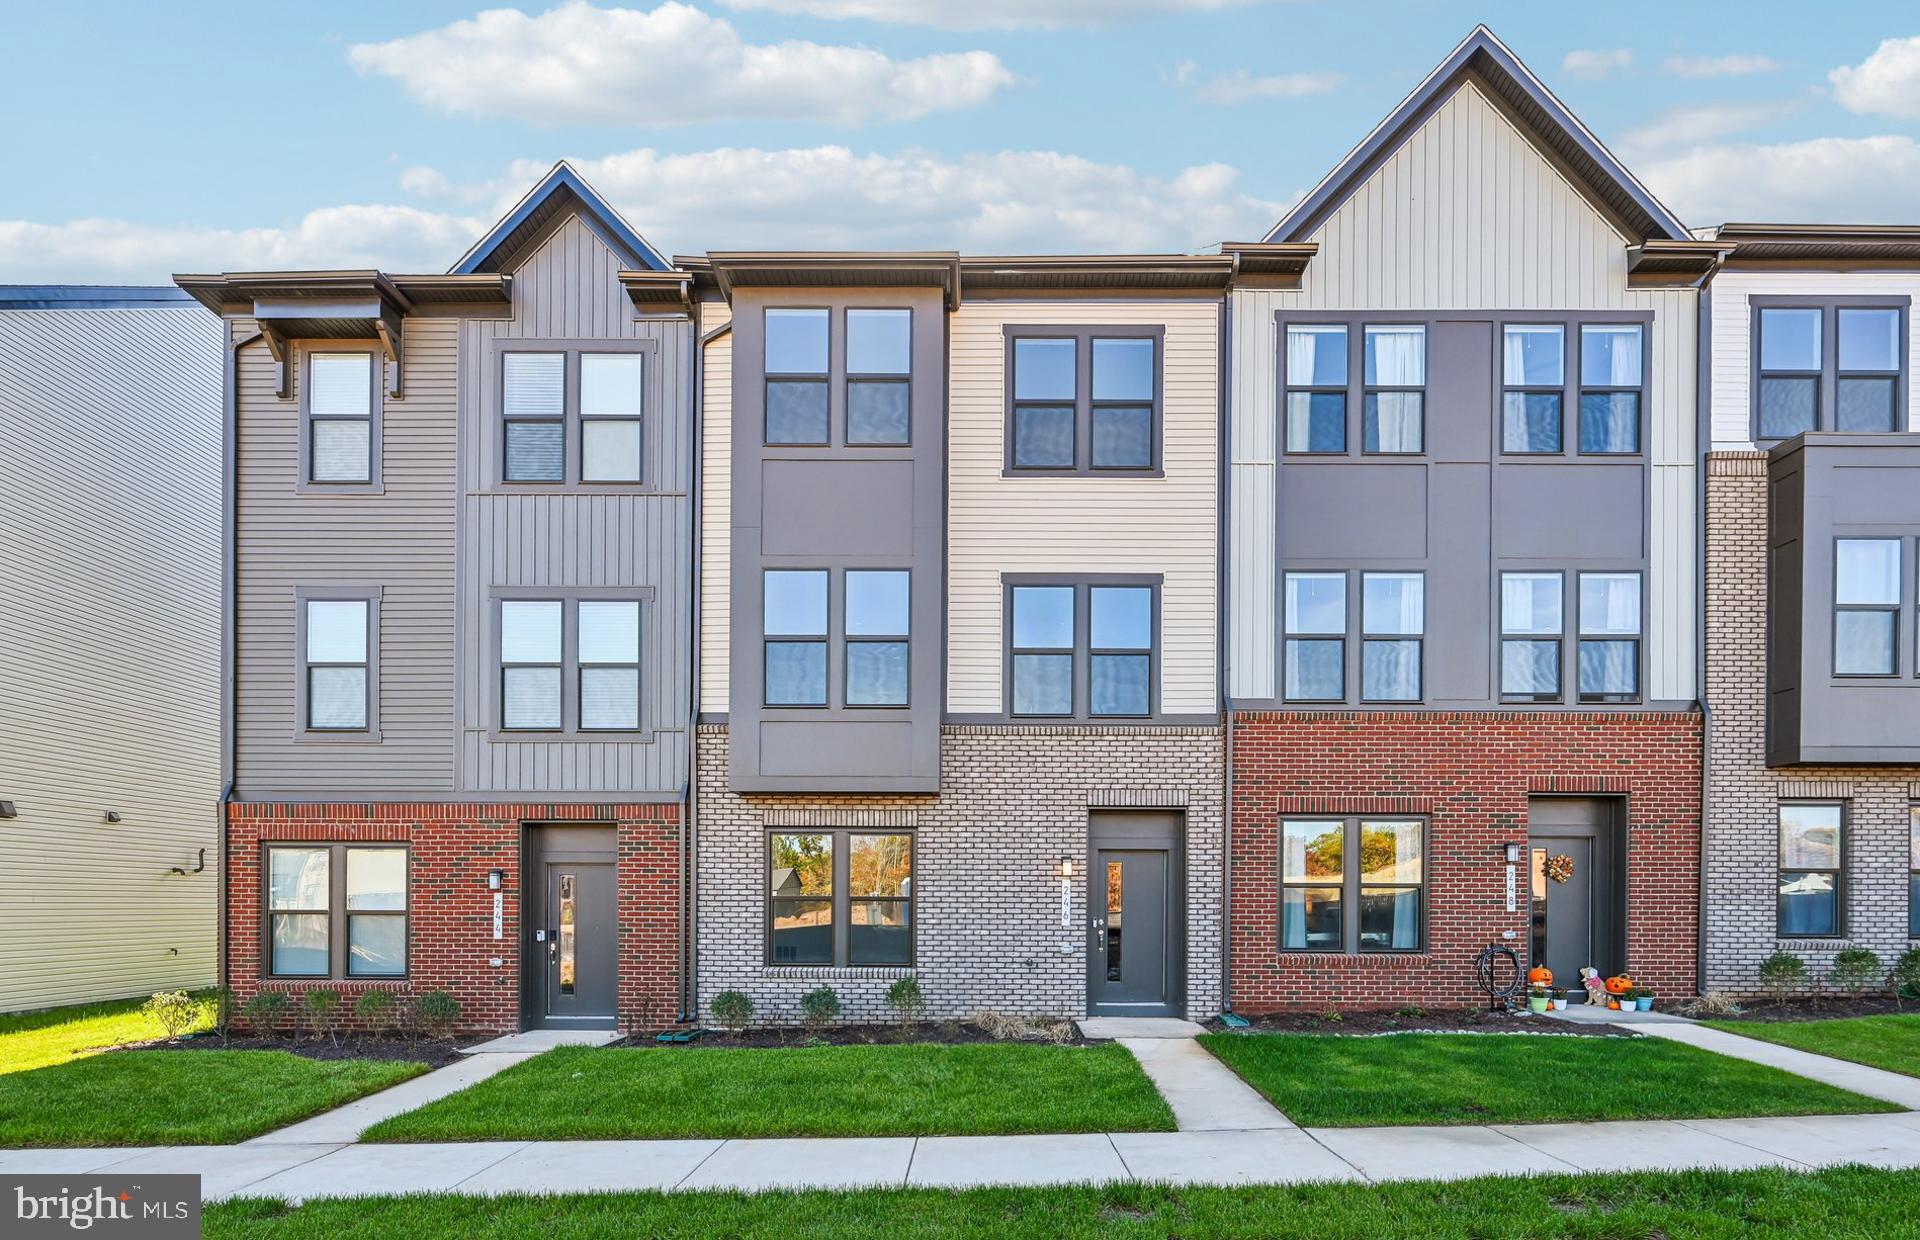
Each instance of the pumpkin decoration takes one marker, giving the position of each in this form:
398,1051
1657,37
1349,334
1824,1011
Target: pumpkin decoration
1559,867
1619,984
1540,975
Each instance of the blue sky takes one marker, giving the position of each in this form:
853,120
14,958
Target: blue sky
176,137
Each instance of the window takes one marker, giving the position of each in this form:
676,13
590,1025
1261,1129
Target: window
1534,364
796,368
336,910
1610,377
879,370
1083,649
1913,871
1530,636
1392,623
609,672
570,665
1866,606
1609,655
794,627
840,898
335,652
611,389
1353,884
1316,637
342,402
877,619
535,405
1834,366
530,665
1316,387
1083,399
1811,858
1395,370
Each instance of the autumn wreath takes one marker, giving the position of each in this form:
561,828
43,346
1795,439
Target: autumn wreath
1559,867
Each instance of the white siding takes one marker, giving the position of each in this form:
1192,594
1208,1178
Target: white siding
1467,214
109,651
1731,407
1165,525
716,506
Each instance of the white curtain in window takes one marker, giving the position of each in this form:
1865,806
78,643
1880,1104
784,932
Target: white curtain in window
1534,356
1398,421
1611,356
1406,920
1315,355
1397,356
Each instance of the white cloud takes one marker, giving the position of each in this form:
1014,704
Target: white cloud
1240,87
827,197
1845,180
1886,83
1690,125
1733,64
674,65
1593,64
991,14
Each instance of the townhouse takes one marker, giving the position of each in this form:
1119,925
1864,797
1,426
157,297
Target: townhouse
1812,512
109,708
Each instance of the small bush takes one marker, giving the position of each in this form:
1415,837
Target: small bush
1331,1014
1904,977
734,1011
819,1008
1855,971
175,1011
264,1011
1006,1028
1713,1003
321,1009
220,1000
375,1010
438,1013
905,998
1782,973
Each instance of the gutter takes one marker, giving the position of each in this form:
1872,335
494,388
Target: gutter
689,825
229,611
1224,609
1703,435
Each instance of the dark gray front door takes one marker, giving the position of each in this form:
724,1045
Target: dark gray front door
572,918
1576,922
1128,970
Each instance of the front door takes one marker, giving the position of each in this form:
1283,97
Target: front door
1575,892
572,980
1133,907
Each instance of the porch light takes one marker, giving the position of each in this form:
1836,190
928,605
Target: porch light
1066,867
1513,853
494,878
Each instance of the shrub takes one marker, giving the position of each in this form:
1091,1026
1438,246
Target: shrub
1855,971
264,1011
1782,973
819,1008
904,997
221,1000
175,1011
375,1010
321,1008
1004,1028
734,1011
1904,977
438,1013
1713,1003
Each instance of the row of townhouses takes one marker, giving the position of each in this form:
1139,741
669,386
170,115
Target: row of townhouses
1277,627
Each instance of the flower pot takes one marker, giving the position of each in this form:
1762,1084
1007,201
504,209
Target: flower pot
1536,1003
1560,1005
1645,1004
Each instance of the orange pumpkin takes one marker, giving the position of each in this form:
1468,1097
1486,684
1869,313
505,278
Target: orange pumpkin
1619,985
1540,975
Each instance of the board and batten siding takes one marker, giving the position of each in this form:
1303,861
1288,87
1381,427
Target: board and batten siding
568,289
1467,215
109,651
1731,405
716,506
400,540
1166,525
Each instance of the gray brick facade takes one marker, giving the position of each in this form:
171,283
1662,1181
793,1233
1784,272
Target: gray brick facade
988,933
1744,795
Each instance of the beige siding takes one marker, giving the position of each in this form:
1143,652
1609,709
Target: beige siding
1163,525
716,506
400,540
1467,214
109,651
1732,410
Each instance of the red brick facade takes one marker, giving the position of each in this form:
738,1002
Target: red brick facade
450,941
1471,774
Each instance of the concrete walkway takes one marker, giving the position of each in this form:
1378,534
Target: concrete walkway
343,1125
1205,1094
1269,1156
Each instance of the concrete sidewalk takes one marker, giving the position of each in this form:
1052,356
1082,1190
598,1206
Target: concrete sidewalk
1269,1156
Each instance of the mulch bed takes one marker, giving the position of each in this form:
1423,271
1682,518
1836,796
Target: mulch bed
1766,1011
945,1032
350,1046
1414,1020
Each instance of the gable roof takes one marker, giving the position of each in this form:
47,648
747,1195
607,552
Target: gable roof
562,189
1482,57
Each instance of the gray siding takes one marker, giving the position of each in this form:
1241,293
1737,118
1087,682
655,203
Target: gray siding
109,650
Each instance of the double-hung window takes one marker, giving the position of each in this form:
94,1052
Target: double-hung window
341,403
1610,377
879,376
337,641
1315,662
336,911
794,636
1790,355
1120,641
1121,419
572,416
1610,623
531,662
877,619
842,898
1827,366
1866,606
570,665
1913,871
1353,884
1867,365
796,367
1316,372
1393,624
1045,387
534,404
609,665
1531,630
1812,861
1083,399
1083,650
611,387
1533,363
1393,413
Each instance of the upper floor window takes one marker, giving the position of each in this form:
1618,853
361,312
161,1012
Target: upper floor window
1082,650
1393,413
1610,623
1531,630
336,646
1866,606
336,910
1392,624
1833,366
794,632
1812,861
1611,370
551,399
797,364
1353,885
1316,369
877,640
1083,399
570,665
1315,650
342,414
879,376
1534,367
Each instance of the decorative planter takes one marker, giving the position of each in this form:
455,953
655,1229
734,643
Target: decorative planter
1536,1003
1645,1003
1560,1004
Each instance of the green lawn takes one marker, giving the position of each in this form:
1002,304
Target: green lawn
35,1039
829,1091
1695,1205
1890,1042
1439,1078
179,1097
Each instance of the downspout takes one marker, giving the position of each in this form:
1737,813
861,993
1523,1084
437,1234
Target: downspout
689,835
1703,442
1224,608
229,611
